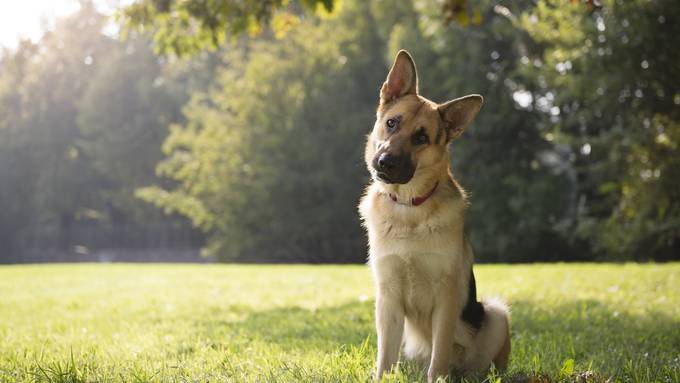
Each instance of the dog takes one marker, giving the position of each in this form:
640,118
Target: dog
421,262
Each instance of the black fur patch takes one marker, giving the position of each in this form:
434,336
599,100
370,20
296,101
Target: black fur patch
473,312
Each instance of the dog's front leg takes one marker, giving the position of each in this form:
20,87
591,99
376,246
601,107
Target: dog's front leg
389,317
446,310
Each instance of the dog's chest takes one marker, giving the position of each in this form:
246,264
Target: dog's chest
423,275
413,253
414,276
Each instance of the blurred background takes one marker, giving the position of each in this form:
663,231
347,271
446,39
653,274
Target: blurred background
206,130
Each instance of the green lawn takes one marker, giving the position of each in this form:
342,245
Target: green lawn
199,323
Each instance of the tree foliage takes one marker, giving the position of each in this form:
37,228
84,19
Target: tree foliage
281,130
82,117
610,72
275,131
574,155
190,26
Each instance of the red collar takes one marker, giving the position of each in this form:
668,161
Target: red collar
417,200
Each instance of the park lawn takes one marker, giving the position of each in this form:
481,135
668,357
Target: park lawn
242,323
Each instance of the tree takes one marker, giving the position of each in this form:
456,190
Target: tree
123,118
47,179
82,117
608,82
270,159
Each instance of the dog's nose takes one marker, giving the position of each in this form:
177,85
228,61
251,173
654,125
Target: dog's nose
386,161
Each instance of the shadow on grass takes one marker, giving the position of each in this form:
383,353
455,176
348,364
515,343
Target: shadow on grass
594,325
296,327
602,341
589,341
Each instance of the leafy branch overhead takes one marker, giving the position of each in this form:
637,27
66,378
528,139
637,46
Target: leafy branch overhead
188,26
184,27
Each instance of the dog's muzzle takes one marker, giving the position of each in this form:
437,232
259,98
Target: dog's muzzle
393,169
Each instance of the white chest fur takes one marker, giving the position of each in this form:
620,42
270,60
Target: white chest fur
413,278
414,251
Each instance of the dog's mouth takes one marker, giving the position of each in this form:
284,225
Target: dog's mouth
402,178
383,177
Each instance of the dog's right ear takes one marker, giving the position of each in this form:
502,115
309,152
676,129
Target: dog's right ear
402,79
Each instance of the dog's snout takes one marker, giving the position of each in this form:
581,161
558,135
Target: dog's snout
387,162
391,168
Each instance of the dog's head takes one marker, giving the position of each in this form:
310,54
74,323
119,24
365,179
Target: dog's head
411,133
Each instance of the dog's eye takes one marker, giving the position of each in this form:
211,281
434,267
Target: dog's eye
420,138
392,124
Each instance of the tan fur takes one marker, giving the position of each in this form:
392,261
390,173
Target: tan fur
420,259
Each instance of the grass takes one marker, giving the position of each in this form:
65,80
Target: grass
235,323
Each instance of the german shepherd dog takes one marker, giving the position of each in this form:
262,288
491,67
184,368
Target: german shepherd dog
422,264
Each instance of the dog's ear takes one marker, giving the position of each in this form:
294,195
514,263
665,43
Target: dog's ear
457,114
402,79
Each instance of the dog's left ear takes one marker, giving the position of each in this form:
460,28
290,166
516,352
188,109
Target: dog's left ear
457,114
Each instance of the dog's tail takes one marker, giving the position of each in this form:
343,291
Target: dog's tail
492,341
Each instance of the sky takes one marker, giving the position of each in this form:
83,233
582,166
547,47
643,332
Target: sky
30,18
